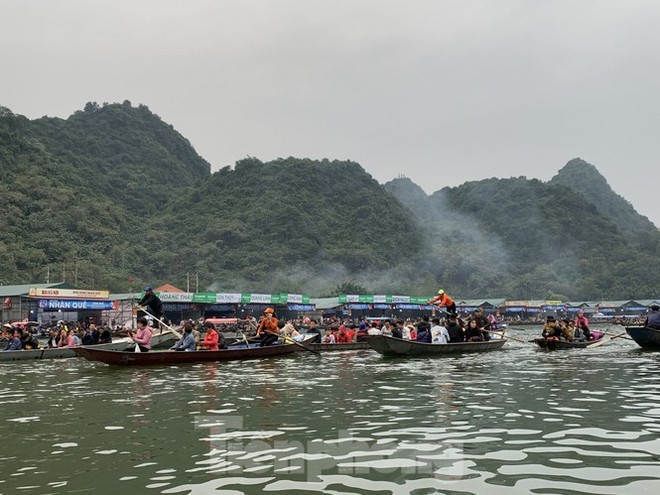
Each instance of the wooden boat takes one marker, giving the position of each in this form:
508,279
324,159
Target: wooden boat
561,344
645,337
391,346
58,352
344,346
68,352
235,352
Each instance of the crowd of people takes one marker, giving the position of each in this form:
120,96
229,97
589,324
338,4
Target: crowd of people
576,330
62,334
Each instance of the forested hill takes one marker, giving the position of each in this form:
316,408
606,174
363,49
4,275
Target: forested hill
121,151
586,181
113,197
534,239
290,224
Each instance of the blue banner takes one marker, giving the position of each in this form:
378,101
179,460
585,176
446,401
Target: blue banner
73,304
356,306
300,307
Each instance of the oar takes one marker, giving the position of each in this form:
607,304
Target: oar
620,336
506,336
601,341
247,344
296,343
171,329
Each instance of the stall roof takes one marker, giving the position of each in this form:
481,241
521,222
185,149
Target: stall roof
325,302
495,303
23,290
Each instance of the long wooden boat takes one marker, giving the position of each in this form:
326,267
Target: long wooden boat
391,346
68,352
344,346
58,352
648,338
235,352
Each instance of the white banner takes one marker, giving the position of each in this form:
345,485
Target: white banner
176,296
260,298
228,298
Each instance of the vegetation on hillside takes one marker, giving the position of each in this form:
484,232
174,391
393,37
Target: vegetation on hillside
113,197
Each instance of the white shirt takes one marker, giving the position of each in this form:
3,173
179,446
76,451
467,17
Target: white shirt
439,335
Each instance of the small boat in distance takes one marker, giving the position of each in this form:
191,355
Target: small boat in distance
392,346
645,337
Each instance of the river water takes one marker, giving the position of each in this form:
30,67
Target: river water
519,420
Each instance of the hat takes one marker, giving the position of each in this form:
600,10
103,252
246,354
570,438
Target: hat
269,310
440,291
363,326
148,289
7,325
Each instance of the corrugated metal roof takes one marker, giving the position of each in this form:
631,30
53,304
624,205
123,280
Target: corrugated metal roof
125,297
23,290
325,302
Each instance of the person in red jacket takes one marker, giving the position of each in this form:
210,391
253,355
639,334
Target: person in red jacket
267,333
443,300
211,337
342,335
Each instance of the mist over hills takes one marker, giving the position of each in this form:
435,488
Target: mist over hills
113,197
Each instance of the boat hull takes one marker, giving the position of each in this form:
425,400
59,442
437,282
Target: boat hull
347,346
68,352
553,345
391,346
124,358
647,338
58,352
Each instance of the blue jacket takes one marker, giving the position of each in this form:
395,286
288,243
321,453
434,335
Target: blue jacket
653,319
424,336
14,344
186,343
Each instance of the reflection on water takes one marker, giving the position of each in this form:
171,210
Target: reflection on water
515,421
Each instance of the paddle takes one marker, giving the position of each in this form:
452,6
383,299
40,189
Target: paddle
247,344
620,336
601,341
507,336
171,329
296,343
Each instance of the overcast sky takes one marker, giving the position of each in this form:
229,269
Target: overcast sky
441,91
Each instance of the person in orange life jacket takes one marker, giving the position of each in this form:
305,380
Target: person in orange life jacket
267,333
443,300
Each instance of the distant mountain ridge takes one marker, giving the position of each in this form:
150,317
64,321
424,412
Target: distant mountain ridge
114,197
